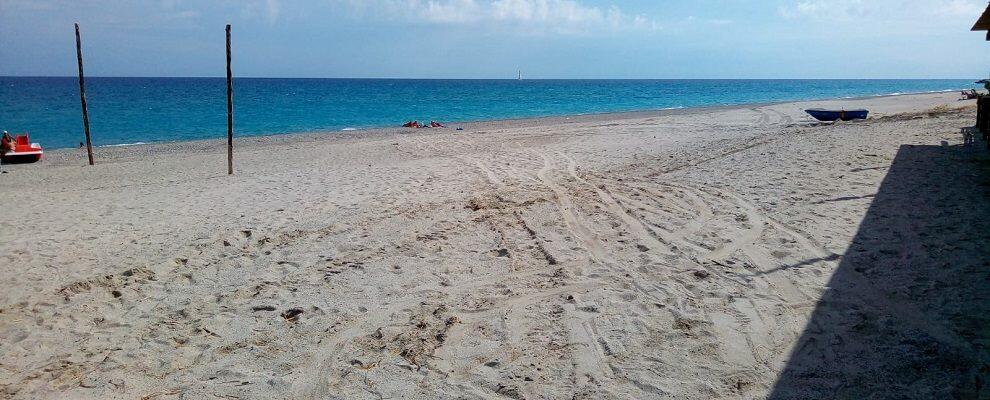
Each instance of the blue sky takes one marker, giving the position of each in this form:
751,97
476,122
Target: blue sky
494,38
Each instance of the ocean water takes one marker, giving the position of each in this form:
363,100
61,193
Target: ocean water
143,110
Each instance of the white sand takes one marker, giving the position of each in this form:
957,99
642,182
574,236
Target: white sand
615,256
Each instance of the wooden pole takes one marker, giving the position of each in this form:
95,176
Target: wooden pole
82,96
230,111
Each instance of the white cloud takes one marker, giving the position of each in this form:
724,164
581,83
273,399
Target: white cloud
711,21
25,5
271,10
455,11
884,11
267,10
556,16
961,8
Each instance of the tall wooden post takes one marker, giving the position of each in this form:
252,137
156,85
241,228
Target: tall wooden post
82,96
230,111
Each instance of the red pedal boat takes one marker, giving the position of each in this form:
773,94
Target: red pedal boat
24,151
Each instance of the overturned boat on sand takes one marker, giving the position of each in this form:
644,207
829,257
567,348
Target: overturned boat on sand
822,114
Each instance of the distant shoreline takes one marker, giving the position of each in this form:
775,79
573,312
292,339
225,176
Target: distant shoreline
128,111
126,150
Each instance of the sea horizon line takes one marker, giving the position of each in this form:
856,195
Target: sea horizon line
482,79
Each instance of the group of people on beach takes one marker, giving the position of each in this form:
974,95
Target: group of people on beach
416,124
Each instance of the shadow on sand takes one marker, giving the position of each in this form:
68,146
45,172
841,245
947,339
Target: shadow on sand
907,312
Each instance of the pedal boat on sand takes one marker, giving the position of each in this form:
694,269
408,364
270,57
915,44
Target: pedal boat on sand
822,114
24,151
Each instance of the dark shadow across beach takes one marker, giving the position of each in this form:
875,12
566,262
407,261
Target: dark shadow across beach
907,313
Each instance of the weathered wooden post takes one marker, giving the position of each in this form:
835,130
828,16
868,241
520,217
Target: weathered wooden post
230,111
82,96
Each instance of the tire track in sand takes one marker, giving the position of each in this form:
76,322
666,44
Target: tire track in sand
654,238
567,211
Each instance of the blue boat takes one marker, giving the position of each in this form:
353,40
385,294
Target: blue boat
822,114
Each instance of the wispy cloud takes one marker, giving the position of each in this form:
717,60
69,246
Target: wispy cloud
267,10
917,11
26,5
711,21
960,8
554,16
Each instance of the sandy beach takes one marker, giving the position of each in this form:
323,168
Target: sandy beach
735,252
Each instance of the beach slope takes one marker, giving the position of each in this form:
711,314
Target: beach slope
741,252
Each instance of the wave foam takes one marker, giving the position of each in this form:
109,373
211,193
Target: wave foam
123,144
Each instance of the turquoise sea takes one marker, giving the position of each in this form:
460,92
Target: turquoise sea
144,110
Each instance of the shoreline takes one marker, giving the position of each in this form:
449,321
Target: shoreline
473,125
